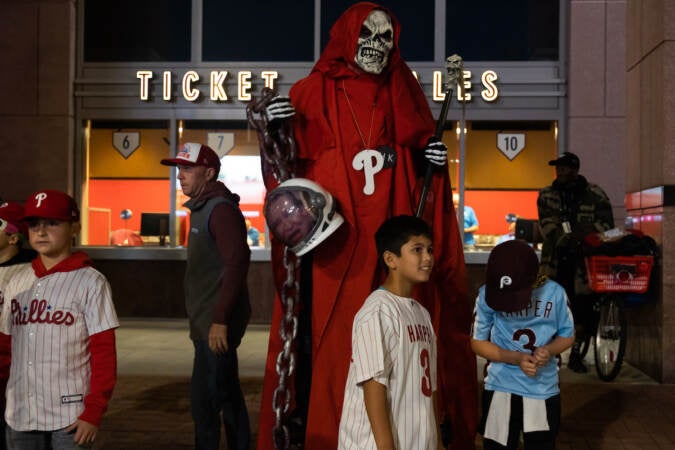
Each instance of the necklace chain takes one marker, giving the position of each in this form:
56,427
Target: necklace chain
366,145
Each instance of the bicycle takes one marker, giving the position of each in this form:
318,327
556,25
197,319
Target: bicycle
611,277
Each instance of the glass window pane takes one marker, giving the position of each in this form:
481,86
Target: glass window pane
495,30
126,195
258,30
129,30
498,153
416,19
240,168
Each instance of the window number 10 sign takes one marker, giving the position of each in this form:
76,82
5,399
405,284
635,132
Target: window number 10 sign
510,144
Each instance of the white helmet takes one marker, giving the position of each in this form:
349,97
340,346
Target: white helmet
301,214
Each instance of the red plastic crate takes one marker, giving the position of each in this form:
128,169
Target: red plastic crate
619,273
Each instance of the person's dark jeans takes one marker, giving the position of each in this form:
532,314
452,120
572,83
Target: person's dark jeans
215,390
42,440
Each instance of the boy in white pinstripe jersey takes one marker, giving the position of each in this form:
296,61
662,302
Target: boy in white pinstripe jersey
390,395
61,319
13,256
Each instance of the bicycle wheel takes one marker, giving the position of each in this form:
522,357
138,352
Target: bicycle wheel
610,338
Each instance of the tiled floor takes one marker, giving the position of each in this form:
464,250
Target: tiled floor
150,408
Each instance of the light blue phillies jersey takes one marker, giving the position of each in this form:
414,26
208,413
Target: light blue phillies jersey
546,317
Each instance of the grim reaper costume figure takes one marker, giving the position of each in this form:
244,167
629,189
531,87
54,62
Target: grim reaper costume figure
363,128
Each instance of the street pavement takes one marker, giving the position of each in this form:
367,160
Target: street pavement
150,406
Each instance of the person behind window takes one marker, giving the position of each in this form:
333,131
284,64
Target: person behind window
521,322
470,223
216,298
568,210
252,235
511,220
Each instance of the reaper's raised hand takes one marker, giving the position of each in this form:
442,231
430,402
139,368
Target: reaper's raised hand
436,152
279,109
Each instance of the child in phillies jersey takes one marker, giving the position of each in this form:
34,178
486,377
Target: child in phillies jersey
13,256
61,319
390,395
521,322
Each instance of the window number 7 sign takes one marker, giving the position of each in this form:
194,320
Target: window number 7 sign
510,144
221,143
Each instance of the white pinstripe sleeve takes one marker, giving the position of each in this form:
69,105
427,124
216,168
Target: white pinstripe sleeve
367,350
9,290
100,312
6,316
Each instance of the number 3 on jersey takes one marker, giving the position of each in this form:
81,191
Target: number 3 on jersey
529,334
426,376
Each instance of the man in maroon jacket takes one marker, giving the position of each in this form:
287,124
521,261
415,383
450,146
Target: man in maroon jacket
216,298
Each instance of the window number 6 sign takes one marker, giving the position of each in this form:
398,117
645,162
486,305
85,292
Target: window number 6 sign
126,142
510,144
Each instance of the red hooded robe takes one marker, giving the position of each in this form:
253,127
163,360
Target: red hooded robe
341,111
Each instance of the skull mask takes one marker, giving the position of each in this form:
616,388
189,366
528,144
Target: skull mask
375,42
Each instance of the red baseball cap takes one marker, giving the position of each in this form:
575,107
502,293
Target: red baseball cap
10,215
51,204
192,154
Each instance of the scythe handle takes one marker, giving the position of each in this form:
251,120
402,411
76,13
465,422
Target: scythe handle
454,67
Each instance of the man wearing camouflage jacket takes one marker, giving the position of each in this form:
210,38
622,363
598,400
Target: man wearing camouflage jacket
568,210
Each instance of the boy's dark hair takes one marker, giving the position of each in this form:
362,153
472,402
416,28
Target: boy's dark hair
396,231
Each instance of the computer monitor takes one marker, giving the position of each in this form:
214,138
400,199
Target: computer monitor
528,230
155,224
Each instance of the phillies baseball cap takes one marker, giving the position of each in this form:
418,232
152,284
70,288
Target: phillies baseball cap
566,159
512,269
51,204
192,154
10,215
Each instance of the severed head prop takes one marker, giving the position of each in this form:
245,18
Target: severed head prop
301,214
375,41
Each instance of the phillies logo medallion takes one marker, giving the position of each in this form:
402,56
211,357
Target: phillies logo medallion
371,162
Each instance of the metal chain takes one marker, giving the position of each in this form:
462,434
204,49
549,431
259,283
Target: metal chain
278,150
288,329
277,143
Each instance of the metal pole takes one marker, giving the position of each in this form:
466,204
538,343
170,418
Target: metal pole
462,164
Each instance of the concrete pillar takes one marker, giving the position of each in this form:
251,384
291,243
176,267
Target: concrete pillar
37,44
650,172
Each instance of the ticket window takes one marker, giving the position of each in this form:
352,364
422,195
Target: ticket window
127,193
240,169
505,166
125,188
